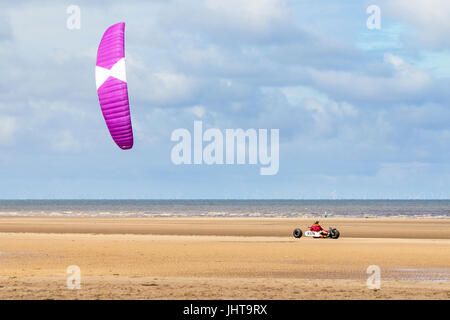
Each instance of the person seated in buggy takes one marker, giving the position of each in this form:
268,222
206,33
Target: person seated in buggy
318,228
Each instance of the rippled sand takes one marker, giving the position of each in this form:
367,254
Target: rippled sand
222,258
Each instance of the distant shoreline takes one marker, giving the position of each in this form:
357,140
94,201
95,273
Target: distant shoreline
168,216
436,209
408,228
220,199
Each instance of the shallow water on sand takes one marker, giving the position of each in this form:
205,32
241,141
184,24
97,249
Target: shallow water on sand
421,274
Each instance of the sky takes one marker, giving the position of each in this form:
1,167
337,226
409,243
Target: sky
362,113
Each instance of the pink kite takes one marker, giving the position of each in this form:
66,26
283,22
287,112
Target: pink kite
111,81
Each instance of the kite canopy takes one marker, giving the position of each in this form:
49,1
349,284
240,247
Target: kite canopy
110,77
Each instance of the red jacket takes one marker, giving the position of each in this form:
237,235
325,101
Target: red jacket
315,228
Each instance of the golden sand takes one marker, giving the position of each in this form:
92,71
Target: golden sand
222,258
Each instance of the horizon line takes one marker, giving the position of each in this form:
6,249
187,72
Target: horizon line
226,199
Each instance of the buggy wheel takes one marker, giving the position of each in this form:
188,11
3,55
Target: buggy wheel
334,234
298,233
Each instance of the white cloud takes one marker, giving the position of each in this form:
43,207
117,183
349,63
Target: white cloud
64,141
163,88
429,20
229,20
5,29
213,60
42,111
253,14
198,111
8,127
405,81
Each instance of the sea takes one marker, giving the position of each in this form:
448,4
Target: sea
228,208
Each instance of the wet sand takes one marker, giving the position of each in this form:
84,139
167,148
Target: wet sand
222,258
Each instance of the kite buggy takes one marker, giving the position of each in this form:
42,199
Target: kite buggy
316,231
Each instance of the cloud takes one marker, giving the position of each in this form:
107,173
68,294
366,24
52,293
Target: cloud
428,20
8,128
64,141
198,111
345,111
5,28
164,88
233,20
405,83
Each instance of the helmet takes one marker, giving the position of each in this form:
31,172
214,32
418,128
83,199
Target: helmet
317,222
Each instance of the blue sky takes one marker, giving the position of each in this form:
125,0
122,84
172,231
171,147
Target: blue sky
362,113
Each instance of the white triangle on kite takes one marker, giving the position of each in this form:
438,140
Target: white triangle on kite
117,71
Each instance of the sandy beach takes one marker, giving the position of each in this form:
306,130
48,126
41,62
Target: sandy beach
222,258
